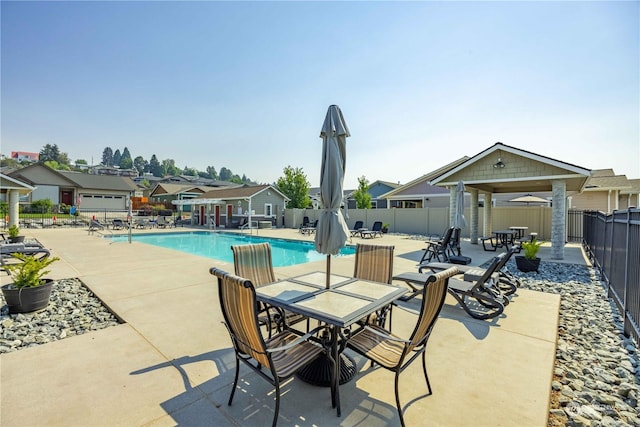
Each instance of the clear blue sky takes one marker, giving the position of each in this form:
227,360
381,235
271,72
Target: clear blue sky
246,85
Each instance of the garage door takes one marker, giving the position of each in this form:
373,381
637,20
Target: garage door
103,201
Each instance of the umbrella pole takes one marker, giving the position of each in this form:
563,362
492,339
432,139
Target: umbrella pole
328,271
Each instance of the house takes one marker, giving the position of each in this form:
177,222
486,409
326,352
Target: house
166,192
113,171
605,191
376,189
21,156
420,193
83,190
11,190
230,207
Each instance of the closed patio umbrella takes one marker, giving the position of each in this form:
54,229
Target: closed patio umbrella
332,231
459,220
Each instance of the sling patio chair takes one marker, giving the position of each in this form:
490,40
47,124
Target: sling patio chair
254,262
397,353
275,359
507,282
375,263
376,230
7,251
357,228
438,248
118,224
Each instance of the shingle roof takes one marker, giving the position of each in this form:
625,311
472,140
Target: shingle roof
237,192
100,182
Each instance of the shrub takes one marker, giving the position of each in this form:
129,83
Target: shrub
531,249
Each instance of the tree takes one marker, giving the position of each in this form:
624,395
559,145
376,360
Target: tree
362,196
211,171
116,158
49,153
140,164
190,171
107,156
125,160
225,174
295,186
63,159
81,162
169,167
155,167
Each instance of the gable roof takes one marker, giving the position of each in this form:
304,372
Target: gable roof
239,192
175,189
606,179
505,169
100,182
418,185
8,183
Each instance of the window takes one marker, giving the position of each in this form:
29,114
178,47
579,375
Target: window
268,209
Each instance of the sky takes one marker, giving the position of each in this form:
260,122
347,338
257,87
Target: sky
246,85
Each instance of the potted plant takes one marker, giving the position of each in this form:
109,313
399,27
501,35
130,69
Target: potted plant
529,261
385,228
14,234
29,291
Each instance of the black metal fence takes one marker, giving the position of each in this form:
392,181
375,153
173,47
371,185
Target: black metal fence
575,225
612,242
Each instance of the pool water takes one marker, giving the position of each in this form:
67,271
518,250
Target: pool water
217,245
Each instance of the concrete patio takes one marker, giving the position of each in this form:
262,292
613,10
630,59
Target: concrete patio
171,363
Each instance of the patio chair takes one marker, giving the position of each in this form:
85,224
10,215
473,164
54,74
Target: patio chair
253,261
438,248
396,353
96,225
275,359
162,222
376,230
375,263
310,229
356,228
118,224
507,282
7,250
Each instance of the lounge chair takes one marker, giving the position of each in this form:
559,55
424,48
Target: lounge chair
276,359
162,222
438,248
253,261
118,224
7,250
142,223
356,228
311,229
375,263
376,230
507,282
397,353
484,291
96,225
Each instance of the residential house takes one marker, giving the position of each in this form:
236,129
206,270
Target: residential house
230,207
76,188
376,189
605,191
21,156
113,171
168,192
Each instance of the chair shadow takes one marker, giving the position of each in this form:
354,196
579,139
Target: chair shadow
254,400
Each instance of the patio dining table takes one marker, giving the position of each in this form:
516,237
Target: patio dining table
345,302
504,238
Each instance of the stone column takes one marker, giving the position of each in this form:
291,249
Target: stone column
487,227
14,203
473,221
558,219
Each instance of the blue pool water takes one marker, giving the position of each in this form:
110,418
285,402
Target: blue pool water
217,245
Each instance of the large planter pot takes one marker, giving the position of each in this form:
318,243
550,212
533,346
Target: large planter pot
26,300
17,239
525,265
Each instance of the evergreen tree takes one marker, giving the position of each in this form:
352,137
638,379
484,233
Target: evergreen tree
107,156
140,164
49,153
211,171
294,185
155,167
225,174
125,160
116,158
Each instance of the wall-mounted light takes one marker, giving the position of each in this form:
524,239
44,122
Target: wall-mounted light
239,202
498,164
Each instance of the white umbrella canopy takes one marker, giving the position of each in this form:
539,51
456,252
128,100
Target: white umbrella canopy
332,231
459,221
528,198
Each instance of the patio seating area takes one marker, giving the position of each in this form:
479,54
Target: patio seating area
172,361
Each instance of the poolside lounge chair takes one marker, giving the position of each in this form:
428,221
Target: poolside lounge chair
275,359
162,222
7,250
118,224
356,228
438,248
376,230
95,225
375,263
507,282
489,301
254,262
397,353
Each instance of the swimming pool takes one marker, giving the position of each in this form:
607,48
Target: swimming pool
217,245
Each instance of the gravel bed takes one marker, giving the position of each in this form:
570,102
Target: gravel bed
73,310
